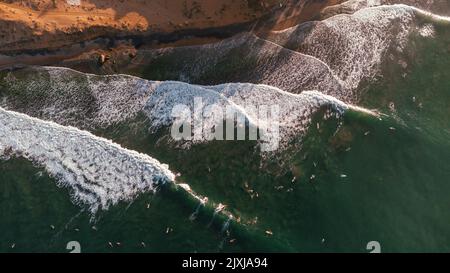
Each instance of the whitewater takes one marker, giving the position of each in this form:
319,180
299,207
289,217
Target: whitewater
101,173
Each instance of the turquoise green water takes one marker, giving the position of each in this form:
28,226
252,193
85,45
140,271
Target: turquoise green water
384,180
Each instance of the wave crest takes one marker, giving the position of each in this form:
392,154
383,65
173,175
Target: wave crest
98,172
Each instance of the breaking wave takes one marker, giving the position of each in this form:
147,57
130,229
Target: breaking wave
361,41
101,173
293,118
336,56
98,172
439,7
119,98
243,58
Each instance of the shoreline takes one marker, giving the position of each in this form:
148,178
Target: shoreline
111,39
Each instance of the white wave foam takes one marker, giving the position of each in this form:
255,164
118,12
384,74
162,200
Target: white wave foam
352,45
432,16
119,98
252,59
98,172
294,117
114,98
437,8
350,7
427,30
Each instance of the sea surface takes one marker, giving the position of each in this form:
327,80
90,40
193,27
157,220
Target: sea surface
356,178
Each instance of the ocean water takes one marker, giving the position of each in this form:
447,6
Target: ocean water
356,178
